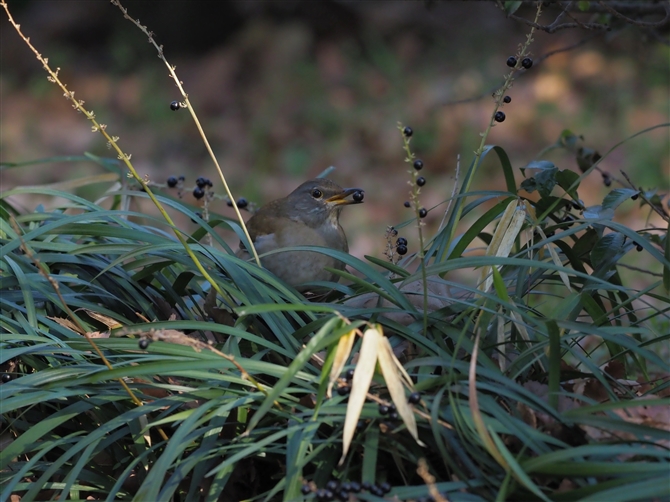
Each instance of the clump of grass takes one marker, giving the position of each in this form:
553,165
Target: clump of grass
551,385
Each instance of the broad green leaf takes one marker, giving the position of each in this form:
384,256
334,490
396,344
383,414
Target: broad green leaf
617,196
607,249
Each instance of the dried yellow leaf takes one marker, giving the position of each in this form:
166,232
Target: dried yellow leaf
360,384
342,352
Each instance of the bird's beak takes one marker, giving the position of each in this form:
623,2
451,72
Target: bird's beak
341,198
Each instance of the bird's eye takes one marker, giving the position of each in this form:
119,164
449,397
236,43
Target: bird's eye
317,194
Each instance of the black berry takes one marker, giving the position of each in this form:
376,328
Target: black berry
638,247
634,197
344,390
355,486
201,182
421,181
606,179
181,178
345,487
358,196
172,182
306,489
406,203
401,250
418,164
174,106
332,485
499,116
6,377
401,241
394,415
511,61
199,215
414,398
143,344
393,232
343,495
242,203
383,409
349,374
507,99
577,204
422,213
198,193
407,131
385,487
375,490
527,63
365,485
360,425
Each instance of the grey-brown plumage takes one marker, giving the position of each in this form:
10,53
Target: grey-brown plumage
308,216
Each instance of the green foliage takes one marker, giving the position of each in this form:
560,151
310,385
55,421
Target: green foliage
133,370
70,430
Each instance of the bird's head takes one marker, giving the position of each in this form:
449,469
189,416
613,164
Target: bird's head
320,201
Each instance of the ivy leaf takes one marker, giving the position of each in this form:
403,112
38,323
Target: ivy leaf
540,165
565,179
529,185
607,250
546,181
585,243
617,196
598,213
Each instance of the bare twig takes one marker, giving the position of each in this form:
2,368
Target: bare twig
641,24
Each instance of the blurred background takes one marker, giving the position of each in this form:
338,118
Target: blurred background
286,89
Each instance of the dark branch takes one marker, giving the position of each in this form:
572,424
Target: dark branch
641,24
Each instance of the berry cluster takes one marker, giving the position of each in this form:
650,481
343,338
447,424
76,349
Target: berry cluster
345,388
419,180
201,185
336,490
512,62
401,246
526,63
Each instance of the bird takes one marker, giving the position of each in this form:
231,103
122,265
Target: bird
308,216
